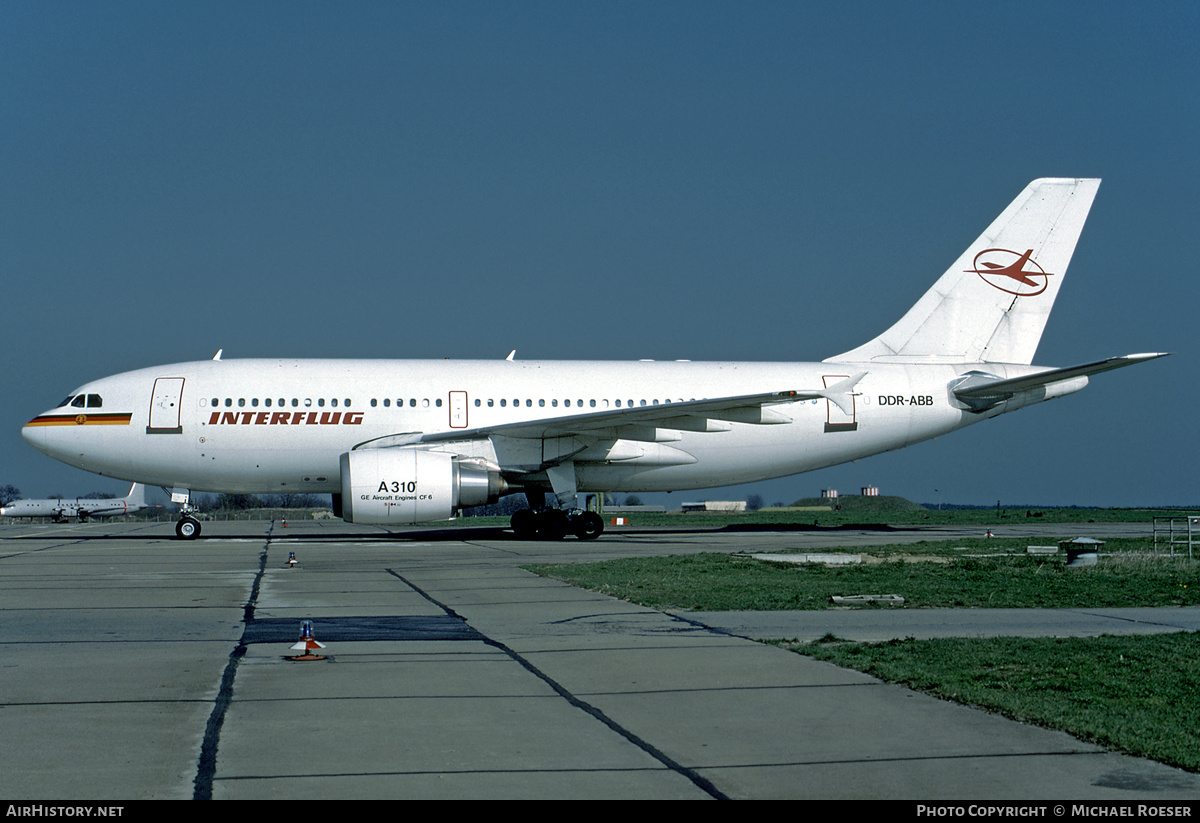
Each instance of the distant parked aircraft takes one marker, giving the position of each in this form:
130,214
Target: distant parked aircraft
82,508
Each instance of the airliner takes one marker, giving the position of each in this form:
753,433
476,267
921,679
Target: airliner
413,441
82,508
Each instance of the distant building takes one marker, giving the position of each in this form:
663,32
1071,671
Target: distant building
829,494
716,506
870,491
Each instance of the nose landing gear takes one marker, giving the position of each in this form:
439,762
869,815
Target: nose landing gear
188,528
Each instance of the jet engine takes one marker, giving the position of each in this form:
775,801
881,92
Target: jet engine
409,485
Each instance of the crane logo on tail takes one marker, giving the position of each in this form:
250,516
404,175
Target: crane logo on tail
1013,272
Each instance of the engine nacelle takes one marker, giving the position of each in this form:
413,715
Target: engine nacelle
408,485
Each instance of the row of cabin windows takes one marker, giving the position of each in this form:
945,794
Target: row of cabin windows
411,402
567,403
307,402
503,403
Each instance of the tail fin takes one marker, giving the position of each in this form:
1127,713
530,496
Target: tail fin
992,304
137,495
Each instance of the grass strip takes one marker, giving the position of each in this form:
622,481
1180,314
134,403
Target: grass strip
943,578
1139,695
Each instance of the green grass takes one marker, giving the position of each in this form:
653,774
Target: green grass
952,574
883,510
857,510
1138,695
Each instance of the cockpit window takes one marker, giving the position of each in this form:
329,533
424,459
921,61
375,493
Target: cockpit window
95,401
79,401
66,402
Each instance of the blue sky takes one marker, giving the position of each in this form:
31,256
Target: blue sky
698,180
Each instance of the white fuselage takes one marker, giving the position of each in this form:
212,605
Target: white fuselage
259,426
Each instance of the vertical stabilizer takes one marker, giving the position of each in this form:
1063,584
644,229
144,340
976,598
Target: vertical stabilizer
993,303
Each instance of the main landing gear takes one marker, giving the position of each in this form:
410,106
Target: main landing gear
555,524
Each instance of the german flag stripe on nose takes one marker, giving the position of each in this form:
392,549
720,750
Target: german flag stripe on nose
81,420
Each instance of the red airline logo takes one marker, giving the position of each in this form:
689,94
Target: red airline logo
284,418
1006,270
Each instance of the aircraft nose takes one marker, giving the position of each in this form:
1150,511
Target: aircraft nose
37,435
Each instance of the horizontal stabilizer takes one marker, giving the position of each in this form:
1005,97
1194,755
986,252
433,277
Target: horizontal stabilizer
981,391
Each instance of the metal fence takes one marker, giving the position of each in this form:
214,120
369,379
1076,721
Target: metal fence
1176,530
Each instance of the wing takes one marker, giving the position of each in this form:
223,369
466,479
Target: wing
642,422
551,446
